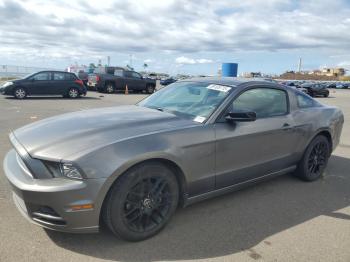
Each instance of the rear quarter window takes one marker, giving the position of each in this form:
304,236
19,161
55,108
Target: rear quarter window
304,101
70,76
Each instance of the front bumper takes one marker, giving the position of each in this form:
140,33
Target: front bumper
48,202
3,91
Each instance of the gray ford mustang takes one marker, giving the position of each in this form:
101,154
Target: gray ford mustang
132,166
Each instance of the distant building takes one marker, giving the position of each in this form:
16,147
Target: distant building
154,75
329,71
338,71
252,74
315,72
77,68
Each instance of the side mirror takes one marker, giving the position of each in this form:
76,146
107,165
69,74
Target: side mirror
240,117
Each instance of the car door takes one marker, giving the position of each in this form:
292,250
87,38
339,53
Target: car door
134,80
139,83
128,80
59,83
119,79
39,84
248,150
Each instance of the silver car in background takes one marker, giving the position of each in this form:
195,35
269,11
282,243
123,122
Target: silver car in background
132,166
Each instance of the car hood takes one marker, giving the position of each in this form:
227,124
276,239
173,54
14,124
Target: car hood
69,136
16,81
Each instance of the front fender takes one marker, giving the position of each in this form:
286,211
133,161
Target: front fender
121,166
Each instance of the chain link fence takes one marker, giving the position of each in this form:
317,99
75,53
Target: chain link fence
12,71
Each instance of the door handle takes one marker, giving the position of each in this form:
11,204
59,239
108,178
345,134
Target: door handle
287,127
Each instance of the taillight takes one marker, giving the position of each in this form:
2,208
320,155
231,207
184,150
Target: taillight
97,78
79,82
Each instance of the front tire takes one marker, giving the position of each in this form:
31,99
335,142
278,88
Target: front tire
20,93
141,201
314,160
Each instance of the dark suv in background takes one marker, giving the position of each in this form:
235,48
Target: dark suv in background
112,79
45,83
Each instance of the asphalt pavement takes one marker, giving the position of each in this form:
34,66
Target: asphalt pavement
283,219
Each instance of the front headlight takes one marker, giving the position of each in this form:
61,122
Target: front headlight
7,84
70,171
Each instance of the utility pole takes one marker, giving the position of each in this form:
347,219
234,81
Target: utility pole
130,59
108,60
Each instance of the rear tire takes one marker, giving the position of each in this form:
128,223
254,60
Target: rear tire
314,160
141,201
20,93
109,88
326,95
73,93
150,89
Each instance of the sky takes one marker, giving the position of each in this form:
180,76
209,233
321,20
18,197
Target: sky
177,36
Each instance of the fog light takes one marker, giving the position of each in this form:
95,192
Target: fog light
70,171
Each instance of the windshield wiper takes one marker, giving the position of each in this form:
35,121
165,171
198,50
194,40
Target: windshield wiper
161,109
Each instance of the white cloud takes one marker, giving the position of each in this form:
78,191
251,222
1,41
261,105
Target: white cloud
182,60
204,61
345,64
72,29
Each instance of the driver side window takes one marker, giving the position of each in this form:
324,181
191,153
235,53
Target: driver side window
136,75
265,102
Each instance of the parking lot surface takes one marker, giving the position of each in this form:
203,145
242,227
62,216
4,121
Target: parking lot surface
283,219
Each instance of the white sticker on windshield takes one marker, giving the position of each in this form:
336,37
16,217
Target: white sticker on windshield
219,88
199,119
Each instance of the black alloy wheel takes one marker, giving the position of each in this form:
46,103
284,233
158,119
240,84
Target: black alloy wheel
315,159
141,201
147,204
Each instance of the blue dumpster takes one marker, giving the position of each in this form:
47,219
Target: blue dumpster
229,69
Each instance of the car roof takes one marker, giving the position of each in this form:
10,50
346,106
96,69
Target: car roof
54,71
229,81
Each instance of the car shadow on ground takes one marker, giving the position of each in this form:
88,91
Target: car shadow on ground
230,223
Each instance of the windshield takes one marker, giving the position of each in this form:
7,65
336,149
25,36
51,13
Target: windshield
193,100
29,75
